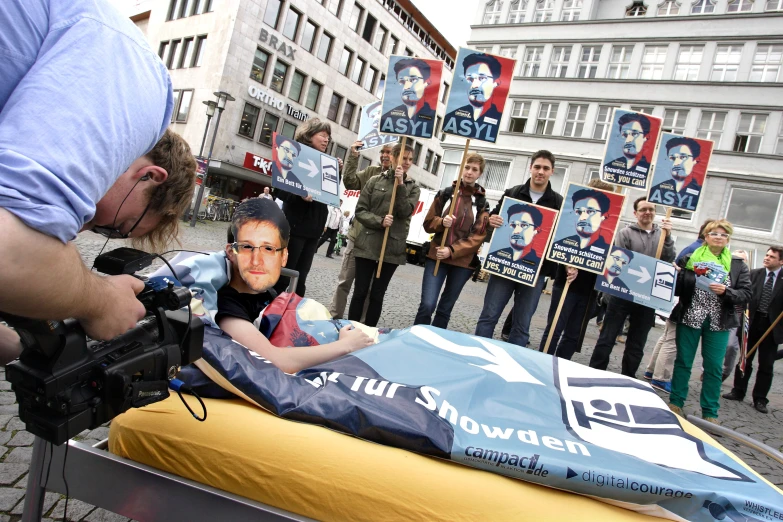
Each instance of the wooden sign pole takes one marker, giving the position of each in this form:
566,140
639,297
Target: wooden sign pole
663,235
553,325
769,331
391,209
453,200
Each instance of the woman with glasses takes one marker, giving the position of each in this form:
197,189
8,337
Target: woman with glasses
706,312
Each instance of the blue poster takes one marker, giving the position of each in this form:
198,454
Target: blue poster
680,169
304,171
369,123
638,278
410,97
630,148
478,95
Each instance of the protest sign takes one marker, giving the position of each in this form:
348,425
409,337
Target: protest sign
588,221
410,97
516,250
680,168
708,272
630,146
304,171
478,95
369,122
638,278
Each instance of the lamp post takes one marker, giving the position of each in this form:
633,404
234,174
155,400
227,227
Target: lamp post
210,112
222,99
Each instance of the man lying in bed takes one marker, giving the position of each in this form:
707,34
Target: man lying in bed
258,253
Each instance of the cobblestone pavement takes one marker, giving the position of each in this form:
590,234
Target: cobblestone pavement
399,311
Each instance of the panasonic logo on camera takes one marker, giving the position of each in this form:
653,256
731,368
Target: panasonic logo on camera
150,394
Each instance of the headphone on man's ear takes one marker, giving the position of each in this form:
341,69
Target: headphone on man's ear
145,177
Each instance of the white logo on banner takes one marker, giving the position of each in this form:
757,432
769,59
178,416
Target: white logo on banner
501,362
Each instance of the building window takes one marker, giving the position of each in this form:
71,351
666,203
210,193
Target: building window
532,61
445,93
484,49
750,132
381,86
289,129
369,79
172,52
334,107
369,28
674,120
172,11
182,100
711,126
773,5
201,45
247,126
636,10
643,110
620,62
345,61
416,152
350,108
575,121
495,174
380,38
428,160
186,55
258,72
543,12
509,52
334,7
753,209
278,76
767,63
268,127
272,13
177,95
545,124
571,10
291,26
779,145
394,43
559,64
162,49
740,6
669,8
588,64
436,129
703,7
516,12
519,115
727,59
201,6
492,12
358,70
408,52
340,151
603,122
688,62
297,84
652,62
356,17
436,164
308,36
313,94
325,47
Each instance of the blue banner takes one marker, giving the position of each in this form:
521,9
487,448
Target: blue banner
304,171
369,123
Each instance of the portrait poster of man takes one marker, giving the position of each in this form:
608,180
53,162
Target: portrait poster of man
304,171
478,95
586,227
369,123
410,97
680,168
517,248
630,147
638,278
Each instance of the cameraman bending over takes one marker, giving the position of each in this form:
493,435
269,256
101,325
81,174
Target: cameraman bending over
84,103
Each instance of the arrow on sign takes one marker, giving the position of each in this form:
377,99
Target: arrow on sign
309,167
643,276
570,473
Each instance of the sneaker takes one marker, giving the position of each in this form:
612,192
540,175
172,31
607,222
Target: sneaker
648,376
676,409
659,321
713,420
664,386
733,396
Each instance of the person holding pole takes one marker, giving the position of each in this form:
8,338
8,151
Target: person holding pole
375,214
766,304
539,191
642,237
464,229
707,316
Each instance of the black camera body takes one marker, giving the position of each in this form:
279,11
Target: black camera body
66,383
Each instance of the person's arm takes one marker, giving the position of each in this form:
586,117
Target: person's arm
297,358
363,213
406,200
470,245
668,253
433,222
622,240
740,292
42,278
350,179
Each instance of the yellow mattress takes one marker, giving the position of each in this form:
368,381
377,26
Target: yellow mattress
326,475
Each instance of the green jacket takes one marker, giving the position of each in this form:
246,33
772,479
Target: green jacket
355,181
373,205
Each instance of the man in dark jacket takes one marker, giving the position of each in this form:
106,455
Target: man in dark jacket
765,306
539,191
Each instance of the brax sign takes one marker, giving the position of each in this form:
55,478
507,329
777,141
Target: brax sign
274,41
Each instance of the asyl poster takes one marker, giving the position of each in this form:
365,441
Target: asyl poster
680,169
630,147
410,97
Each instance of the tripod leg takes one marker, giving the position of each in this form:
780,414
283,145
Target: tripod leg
34,497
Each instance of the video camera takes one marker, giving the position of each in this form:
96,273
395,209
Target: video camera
66,383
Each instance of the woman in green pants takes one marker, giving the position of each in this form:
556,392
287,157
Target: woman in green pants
707,315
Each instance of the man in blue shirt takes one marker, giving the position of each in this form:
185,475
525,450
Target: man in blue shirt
83,102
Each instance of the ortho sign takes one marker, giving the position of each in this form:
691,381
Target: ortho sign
258,164
264,97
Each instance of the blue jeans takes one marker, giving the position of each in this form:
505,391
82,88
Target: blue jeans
455,278
499,291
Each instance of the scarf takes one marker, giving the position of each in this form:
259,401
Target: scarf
703,253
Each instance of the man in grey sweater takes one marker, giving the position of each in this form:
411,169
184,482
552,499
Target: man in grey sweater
642,237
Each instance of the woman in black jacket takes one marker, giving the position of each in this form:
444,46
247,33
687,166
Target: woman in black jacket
707,315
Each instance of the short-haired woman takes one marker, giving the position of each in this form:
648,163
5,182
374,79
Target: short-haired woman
707,315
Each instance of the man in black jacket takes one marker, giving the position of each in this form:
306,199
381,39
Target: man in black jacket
765,305
536,190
